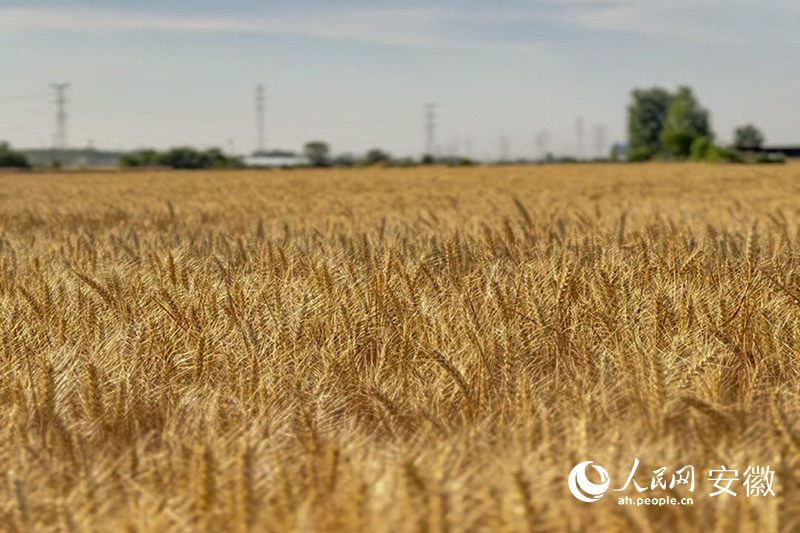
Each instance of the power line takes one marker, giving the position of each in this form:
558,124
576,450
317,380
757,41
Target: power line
430,129
21,97
60,136
260,119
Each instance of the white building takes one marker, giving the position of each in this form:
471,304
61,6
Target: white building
267,161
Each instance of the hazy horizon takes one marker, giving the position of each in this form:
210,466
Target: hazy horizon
358,73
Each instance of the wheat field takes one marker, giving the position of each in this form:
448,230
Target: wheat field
396,350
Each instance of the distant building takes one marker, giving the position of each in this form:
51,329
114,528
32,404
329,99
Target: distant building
72,157
792,152
273,161
619,152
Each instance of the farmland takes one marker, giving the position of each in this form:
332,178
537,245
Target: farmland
396,350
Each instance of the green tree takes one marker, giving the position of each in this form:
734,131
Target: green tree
10,158
128,161
344,160
140,158
647,113
375,156
700,148
318,153
748,137
686,121
182,157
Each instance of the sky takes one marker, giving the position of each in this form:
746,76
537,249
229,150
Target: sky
357,73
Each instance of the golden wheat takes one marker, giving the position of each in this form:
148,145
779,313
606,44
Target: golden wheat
395,350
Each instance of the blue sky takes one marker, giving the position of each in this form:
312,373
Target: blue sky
357,73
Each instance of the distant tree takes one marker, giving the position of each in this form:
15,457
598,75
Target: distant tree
770,158
10,158
404,162
317,153
748,137
128,160
182,157
216,158
700,148
686,121
344,160
647,113
274,153
721,154
427,159
375,156
148,157
461,161
140,158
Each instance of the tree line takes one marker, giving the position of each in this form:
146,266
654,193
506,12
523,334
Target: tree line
180,158
318,154
661,125
10,158
675,126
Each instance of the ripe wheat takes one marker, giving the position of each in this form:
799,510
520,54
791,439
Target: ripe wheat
394,350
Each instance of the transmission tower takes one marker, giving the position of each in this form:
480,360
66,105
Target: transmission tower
600,139
60,136
260,118
430,129
579,134
504,149
542,139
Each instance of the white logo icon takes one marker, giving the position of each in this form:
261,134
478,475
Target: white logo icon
577,478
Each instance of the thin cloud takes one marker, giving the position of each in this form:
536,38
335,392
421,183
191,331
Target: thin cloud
715,22
527,26
422,27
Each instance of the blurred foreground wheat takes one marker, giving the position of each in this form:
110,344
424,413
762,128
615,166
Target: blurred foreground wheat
395,350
